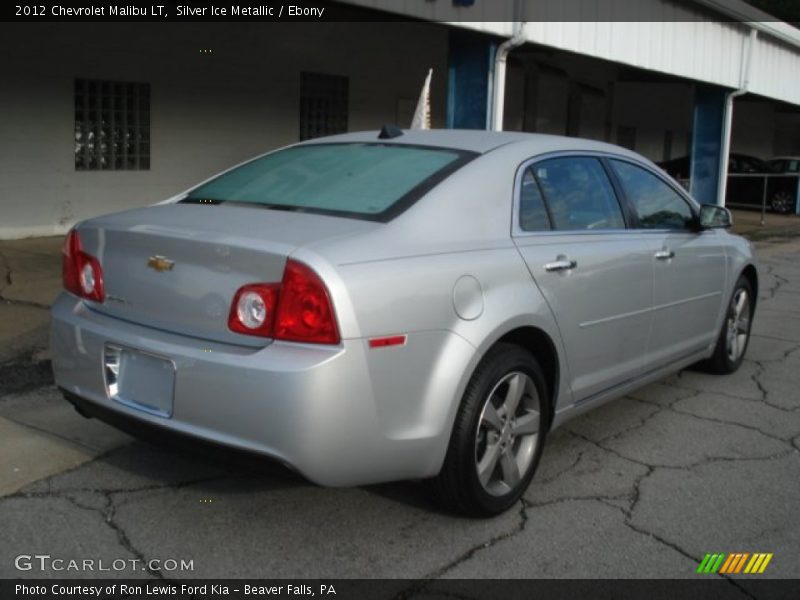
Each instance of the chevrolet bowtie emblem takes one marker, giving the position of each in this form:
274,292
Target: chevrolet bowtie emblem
160,263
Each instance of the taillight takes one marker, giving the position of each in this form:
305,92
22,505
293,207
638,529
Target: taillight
299,309
253,309
81,273
305,311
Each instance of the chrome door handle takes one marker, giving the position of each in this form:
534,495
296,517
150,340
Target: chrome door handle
664,254
561,265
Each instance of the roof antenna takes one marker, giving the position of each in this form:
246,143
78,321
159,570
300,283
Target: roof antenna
389,131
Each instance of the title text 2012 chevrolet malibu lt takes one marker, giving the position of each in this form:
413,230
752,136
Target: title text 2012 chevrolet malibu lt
421,304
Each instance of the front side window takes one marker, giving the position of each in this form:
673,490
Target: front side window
657,205
362,180
578,194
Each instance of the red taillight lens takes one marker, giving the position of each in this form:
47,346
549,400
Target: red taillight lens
298,309
253,309
305,311
70,270
81,272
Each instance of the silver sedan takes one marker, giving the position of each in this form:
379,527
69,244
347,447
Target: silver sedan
403,305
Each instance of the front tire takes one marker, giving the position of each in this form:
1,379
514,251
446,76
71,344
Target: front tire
498,435
735,335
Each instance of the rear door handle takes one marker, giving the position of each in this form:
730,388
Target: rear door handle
664,254
561,265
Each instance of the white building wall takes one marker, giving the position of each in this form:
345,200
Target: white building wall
208,111
775,71
685,38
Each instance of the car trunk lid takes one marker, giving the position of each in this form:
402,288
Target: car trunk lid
177,267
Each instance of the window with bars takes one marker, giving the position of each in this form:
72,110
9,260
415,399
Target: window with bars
323,105
112,125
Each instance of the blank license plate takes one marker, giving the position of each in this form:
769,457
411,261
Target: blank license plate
140,380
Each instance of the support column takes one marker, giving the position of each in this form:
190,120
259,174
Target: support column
707,146
470,61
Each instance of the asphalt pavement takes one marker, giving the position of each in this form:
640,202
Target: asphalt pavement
644,486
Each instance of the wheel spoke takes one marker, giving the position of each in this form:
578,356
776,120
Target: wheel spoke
508,465
526,424
743,325
516,388
488,463
491,418
741,302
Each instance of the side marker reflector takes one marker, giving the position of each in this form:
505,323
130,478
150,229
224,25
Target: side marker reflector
395,340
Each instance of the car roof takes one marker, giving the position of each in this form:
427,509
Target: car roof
480,141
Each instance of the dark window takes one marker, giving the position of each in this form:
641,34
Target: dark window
532,213
626,137
323,105
657,205
667,152
779,166
112,125
578,194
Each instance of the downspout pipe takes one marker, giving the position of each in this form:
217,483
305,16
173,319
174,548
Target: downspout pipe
744,85
499,82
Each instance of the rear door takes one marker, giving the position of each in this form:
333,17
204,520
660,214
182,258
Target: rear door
689,265
595,273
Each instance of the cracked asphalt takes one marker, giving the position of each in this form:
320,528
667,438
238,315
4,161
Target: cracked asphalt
641,487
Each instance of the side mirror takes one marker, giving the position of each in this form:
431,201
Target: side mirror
713,216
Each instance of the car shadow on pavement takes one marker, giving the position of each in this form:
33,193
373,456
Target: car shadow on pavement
151,463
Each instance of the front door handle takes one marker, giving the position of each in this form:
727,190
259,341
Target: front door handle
562,264
664,254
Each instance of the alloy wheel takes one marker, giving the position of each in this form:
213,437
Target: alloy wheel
508,428
738,325
782,203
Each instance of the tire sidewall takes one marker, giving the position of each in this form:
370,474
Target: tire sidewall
484,381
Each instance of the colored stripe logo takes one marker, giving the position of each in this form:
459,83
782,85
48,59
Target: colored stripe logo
735,563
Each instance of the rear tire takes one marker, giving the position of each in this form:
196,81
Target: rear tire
498,435
735,334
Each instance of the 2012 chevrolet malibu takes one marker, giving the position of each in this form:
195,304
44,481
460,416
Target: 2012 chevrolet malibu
404,305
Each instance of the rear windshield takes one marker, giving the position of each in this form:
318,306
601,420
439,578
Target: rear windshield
366,181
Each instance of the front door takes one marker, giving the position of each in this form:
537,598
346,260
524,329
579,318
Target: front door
689,266
596,275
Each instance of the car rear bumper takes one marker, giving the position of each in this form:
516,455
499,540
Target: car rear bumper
313,408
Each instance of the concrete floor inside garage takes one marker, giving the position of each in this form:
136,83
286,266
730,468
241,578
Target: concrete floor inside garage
642,487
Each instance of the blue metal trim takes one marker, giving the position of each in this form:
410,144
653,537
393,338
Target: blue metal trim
470,62
706,159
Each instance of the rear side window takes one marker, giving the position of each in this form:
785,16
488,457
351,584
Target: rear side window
532,212
578,194
657,205
369,181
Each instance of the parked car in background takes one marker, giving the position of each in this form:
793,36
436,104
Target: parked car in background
680,168
785,199
752,182
420,304
785,164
